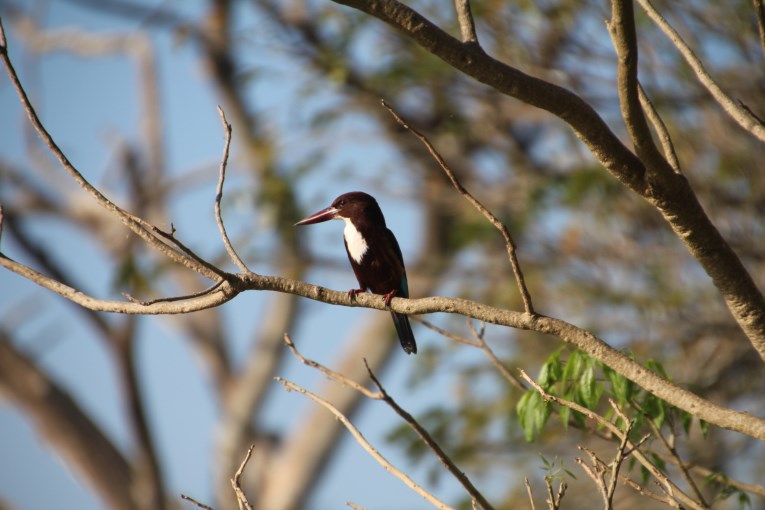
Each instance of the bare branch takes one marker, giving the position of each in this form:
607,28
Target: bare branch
174,298
219,195
510,245
241,498
677,460
335,376
466,22
290,386
743,117
759,14
197,503
661,130
528,491
426,438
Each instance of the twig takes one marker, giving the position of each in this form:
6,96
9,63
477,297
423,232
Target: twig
171,299
426,438
759,14
670,447
509,243
170,236
241,498
197,503
596,473
354,505
528,491
447,334
667,500
290,386
219,195
336,376
661,129
745,119
466,22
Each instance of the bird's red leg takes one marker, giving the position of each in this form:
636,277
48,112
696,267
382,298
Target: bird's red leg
389,296
352,293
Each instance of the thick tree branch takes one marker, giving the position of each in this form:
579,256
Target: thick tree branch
622,31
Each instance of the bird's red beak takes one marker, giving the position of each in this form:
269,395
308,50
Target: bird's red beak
325,214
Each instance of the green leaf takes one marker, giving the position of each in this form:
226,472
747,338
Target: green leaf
573,366
550,373
527,409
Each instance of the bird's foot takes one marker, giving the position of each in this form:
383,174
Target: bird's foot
389,296
352,293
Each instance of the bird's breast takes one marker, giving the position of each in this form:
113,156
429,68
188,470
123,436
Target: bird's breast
354,241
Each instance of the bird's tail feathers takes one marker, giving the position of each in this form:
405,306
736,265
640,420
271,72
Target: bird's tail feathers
404,330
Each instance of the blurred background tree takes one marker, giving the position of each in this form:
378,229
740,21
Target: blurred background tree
169,404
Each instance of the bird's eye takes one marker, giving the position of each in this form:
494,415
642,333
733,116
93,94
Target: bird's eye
341,203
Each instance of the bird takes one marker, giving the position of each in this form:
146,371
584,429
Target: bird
373,252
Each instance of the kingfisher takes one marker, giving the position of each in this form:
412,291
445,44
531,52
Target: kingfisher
373,252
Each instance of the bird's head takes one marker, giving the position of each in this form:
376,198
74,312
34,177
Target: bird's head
349,206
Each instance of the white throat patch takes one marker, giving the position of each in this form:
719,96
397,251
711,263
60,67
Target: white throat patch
357,245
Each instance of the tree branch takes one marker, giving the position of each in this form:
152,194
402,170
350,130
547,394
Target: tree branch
622,31
741,115
219,195
290,386
509,243
466,22
661,130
